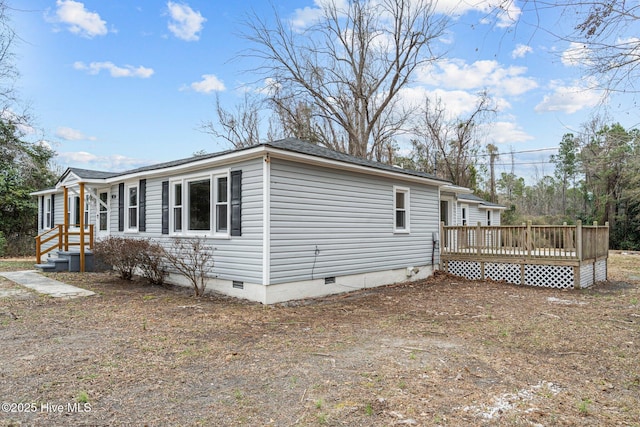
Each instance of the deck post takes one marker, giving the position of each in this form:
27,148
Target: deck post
528,237
479,239
579,240
66,219
81,208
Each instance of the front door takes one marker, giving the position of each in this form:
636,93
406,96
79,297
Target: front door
103,214
444,212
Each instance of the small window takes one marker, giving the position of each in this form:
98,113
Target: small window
48,212
401,210
177,207
103,211
464,215
87,199
488,217
222,204
73,214
132,208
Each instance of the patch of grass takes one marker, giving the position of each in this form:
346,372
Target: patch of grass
148,297
402,385
82,397
634,301
368,409
583,406
237,394
319,403
322,418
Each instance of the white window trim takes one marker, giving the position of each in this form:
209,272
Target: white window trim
127,195
407,210
184,181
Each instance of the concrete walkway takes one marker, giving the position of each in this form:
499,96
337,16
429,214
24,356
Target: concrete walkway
44,285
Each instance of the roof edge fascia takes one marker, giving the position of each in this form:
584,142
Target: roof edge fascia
285,154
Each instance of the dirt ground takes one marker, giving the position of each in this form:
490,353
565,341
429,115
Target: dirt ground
445,351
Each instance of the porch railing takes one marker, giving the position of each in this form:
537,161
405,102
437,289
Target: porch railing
62,239
528,242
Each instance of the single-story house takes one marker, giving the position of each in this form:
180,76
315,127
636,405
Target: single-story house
286,219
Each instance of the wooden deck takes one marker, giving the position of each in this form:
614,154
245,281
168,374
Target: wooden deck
554,256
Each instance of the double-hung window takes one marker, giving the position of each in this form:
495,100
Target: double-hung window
87,200
73,213
48,213
200,205
464,210
488,217
177,207
222,204
401,209
132,207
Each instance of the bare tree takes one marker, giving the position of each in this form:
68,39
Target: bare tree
349,67
451,141
193,258
603,37
240,128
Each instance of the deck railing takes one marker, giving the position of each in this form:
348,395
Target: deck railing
62,239
527,242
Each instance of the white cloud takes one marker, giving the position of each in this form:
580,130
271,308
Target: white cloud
114,163
209,83
575,55
570,99
70,134
114,70
457,102
504,132
79,20
185,23
521,50
457,74
506,12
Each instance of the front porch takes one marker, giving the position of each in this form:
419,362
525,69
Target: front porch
72,242
564,256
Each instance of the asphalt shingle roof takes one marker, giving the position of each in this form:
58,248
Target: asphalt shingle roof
288,144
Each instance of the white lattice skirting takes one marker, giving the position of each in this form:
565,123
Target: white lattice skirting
550,276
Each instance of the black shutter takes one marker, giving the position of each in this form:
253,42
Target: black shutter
142,206
165,207
53,210
121,206
236,203
42,214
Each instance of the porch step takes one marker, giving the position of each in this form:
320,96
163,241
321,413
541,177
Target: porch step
54,265
67,261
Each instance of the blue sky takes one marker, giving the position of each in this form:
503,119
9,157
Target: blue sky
117,84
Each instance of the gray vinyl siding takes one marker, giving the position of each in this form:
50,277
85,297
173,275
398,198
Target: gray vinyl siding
477,215
349,218
235,258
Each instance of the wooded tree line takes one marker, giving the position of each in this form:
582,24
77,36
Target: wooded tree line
596,177
24,166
